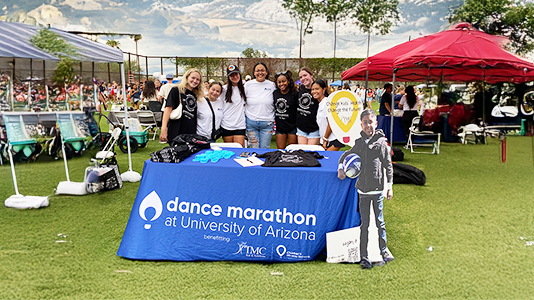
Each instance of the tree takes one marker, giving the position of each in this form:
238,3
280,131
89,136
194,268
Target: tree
376,15
302,11
511,18
54,44
337,10
113,43
251,53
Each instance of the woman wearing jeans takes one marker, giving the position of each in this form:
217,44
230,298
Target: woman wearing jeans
259,110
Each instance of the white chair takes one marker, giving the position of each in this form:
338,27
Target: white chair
119,116
304,147
473,131
146,118
422,138
226,145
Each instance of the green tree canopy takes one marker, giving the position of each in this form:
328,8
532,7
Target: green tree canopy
251,53
511,18
376,16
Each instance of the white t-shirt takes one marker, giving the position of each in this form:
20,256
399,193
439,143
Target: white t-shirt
323,122
260,103
405,106
205,116
164,92
233,113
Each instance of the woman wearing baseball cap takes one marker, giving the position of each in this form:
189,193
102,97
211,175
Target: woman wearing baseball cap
234,98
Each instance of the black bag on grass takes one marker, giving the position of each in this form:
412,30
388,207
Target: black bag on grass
408,174
397,154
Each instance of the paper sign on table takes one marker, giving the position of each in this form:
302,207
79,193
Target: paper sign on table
249,161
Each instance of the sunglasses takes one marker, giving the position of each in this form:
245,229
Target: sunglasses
281,73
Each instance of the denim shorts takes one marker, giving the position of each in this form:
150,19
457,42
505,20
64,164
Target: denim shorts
308,135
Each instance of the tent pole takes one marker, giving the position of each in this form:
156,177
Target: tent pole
392,107
13,170
130,175
484,99
126,122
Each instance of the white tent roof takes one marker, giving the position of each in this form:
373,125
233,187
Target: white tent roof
15,42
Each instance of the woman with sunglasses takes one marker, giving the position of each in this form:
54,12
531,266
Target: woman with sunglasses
285,103
259,110
233,96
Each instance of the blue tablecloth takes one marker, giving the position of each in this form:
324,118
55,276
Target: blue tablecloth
384,123
223,211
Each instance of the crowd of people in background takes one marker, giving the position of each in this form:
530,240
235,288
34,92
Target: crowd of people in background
250,110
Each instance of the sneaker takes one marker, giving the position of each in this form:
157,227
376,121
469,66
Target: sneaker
365,263
379,263
387,256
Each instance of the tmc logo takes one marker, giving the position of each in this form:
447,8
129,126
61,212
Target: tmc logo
152,200
250,251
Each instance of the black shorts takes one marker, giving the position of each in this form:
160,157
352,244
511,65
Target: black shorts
226,132
335,143
293,132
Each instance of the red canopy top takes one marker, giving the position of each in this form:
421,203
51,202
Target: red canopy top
461,53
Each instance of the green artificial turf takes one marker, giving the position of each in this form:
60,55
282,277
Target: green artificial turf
474,211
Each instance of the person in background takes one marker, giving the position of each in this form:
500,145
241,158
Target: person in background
285,102
370,96
328,139
409,105
150,96
233,96
398,96
189,91
346,86
376,176
385,101
307,128
165,89
259,109
210,109
206,88
157,84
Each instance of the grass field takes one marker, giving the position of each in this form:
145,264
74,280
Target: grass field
476,212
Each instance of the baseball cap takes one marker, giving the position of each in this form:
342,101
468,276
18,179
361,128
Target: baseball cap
169,76
232,69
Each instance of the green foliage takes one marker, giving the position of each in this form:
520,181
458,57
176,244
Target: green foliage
251,53
136,37
302,11
52,43
337,10
113,43
511,18
325,67
208,66
115,68
376,16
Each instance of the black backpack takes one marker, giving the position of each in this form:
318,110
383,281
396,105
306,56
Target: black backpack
408,174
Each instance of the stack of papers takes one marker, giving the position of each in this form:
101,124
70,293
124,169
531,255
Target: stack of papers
249,161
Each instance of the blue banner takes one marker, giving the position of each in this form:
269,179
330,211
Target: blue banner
223,211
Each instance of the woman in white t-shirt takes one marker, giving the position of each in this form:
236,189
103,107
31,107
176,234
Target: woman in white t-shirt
233,96
328,139
208,108
259,109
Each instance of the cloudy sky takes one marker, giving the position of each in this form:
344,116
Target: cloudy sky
223,28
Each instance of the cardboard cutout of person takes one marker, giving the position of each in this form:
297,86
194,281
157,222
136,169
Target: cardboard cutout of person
376,169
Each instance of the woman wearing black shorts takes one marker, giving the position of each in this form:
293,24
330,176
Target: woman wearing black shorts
285,109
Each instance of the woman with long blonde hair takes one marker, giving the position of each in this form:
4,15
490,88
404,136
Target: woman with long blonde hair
187,93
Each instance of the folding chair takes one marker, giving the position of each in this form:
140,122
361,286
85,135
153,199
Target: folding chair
422,138
146,118
119,117
472,133
304,147
19,140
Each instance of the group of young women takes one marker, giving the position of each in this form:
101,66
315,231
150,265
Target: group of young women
251,109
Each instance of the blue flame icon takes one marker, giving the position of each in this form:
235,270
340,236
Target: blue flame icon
151,200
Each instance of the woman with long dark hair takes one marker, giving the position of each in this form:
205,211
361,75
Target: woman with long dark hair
259,110
285,104
409,104
233,96
150,96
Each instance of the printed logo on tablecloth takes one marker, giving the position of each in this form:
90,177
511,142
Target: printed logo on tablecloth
153,201
250,251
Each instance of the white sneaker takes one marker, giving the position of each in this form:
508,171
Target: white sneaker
387,255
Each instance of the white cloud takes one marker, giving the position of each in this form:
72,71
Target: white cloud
422,21
47,14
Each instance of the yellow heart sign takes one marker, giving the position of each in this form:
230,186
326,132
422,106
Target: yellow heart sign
335,110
